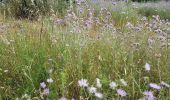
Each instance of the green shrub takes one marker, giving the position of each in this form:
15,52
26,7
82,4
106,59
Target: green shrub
33,8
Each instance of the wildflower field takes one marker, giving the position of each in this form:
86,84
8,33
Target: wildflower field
95,50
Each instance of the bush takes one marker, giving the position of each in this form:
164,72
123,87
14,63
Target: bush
33,8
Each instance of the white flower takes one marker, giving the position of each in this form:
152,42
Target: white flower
147,67
98,84
92,89
26,97
50,80
50,71
99,95
50,59
113,85
5,71
123,82
83,83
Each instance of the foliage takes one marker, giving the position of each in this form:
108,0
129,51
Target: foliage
149,9
146,0
85,55
33,8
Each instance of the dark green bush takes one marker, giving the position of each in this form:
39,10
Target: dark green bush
33,8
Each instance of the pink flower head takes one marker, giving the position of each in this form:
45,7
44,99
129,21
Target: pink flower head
121,92
155,86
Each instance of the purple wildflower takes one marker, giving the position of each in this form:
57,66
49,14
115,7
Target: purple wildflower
148,95
165,84
63,98
92,89
46,91
113,85
155,86
83,83
114,3
43,85
99,95
121,92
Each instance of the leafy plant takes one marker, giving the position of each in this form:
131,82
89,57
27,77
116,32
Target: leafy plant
33,8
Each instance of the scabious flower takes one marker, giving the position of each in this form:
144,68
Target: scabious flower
99,95
165,84
83,83
98,84
46,91
155,86
121,92
124,83
147,67
148,95
43,85
50,80
114,3
92,89
113,85
63,98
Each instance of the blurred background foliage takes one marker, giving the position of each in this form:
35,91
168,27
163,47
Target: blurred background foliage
32,9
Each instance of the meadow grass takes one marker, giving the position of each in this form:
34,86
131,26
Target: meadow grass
33,52
157,8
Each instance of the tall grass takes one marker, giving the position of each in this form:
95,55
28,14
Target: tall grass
157,8
121,12
34,53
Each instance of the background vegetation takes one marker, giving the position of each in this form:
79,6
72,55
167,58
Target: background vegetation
33,8
109,41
